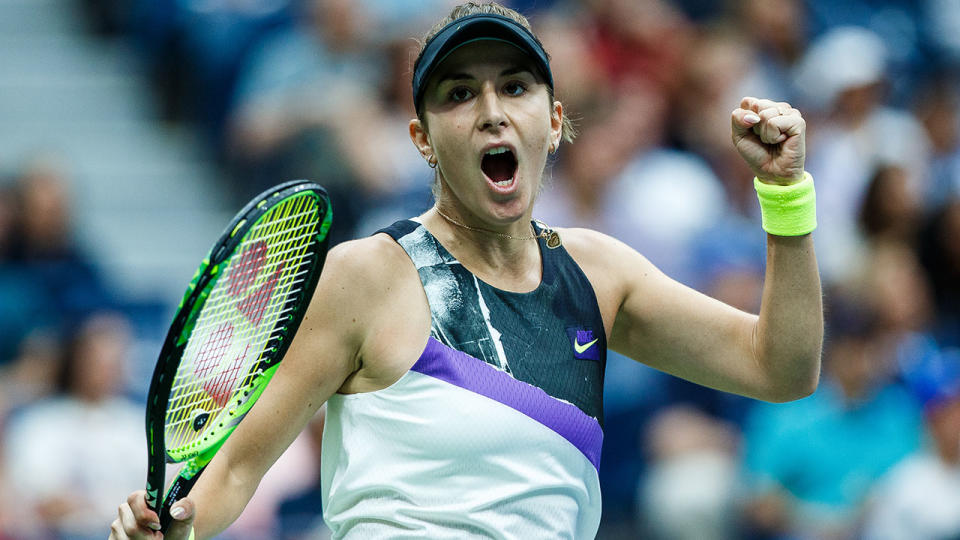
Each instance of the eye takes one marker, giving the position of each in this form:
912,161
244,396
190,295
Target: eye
460,94
514,88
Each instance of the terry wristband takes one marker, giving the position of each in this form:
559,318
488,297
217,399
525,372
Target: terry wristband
788,210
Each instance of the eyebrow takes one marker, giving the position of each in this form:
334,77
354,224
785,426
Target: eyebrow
466,76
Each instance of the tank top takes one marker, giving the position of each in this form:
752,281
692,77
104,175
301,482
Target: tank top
496,430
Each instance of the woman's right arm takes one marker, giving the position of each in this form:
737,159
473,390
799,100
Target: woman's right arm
323,354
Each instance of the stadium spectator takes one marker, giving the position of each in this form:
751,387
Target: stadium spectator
720,65
919,498
891,212
322,99
587,186
842,76
31,375
689,491
213,38
937,106
897,291
940,255
70,456
940,22
811,464
579,78
897,23
46,279
642,39
778,31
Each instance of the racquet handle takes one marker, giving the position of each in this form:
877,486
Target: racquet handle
178,490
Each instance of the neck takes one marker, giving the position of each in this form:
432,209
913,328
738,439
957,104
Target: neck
505,236
506,260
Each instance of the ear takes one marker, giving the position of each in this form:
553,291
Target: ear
421,139
556,124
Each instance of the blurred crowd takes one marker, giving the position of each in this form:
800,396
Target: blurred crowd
320,89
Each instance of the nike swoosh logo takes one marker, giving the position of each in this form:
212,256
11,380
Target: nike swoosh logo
581,348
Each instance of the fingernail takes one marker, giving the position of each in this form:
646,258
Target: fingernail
751,118
177,512
154,526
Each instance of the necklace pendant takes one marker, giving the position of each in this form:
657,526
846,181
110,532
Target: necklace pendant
551,236
553,240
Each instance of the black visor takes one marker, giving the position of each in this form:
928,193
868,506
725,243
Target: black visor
483,26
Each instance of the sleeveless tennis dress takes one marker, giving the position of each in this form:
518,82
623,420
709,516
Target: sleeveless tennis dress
495,432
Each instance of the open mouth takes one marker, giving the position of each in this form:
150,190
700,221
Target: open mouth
500,166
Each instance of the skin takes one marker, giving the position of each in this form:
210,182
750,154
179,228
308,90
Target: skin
365,346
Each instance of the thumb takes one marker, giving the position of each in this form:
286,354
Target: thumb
183,514
742,121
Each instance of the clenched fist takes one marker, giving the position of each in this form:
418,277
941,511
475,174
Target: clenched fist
770,137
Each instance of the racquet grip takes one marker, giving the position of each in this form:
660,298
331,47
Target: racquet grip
178,490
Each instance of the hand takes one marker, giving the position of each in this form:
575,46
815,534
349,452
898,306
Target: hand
770,137
138,522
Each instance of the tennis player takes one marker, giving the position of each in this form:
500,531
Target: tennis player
461,353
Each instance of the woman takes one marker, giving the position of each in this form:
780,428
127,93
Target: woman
464,389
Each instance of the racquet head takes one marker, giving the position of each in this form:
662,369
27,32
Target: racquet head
231,330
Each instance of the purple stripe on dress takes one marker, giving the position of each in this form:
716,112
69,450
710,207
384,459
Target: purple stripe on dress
465,371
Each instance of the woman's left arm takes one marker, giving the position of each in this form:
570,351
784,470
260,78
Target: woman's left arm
774,356
788,334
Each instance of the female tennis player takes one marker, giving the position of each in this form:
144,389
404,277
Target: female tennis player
461,353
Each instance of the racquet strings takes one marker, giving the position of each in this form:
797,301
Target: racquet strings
245,309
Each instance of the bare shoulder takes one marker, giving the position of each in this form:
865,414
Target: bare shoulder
588,242
358,264
613,268
355,279
596,251
378,305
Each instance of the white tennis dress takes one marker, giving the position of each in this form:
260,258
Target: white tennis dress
495,432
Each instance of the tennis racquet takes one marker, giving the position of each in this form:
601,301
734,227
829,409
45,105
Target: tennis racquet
233,326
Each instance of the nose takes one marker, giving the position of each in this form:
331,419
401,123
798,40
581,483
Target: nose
492,116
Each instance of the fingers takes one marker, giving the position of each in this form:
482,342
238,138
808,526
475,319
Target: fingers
183,513
145,517
135,520
742,120
757,105
767,129
127,519
116,531
773,122
785,126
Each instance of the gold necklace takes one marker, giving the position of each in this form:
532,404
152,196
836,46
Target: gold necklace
551,236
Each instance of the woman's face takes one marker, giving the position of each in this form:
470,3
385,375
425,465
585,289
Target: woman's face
489,123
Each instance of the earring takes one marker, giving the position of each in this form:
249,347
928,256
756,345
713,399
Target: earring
553,147
432,162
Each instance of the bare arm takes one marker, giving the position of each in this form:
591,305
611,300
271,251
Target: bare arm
773,356
788,335
323,354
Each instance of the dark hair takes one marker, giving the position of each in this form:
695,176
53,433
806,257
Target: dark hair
492,8
873,217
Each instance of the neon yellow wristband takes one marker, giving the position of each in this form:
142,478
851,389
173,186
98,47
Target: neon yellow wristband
193,534
788,210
